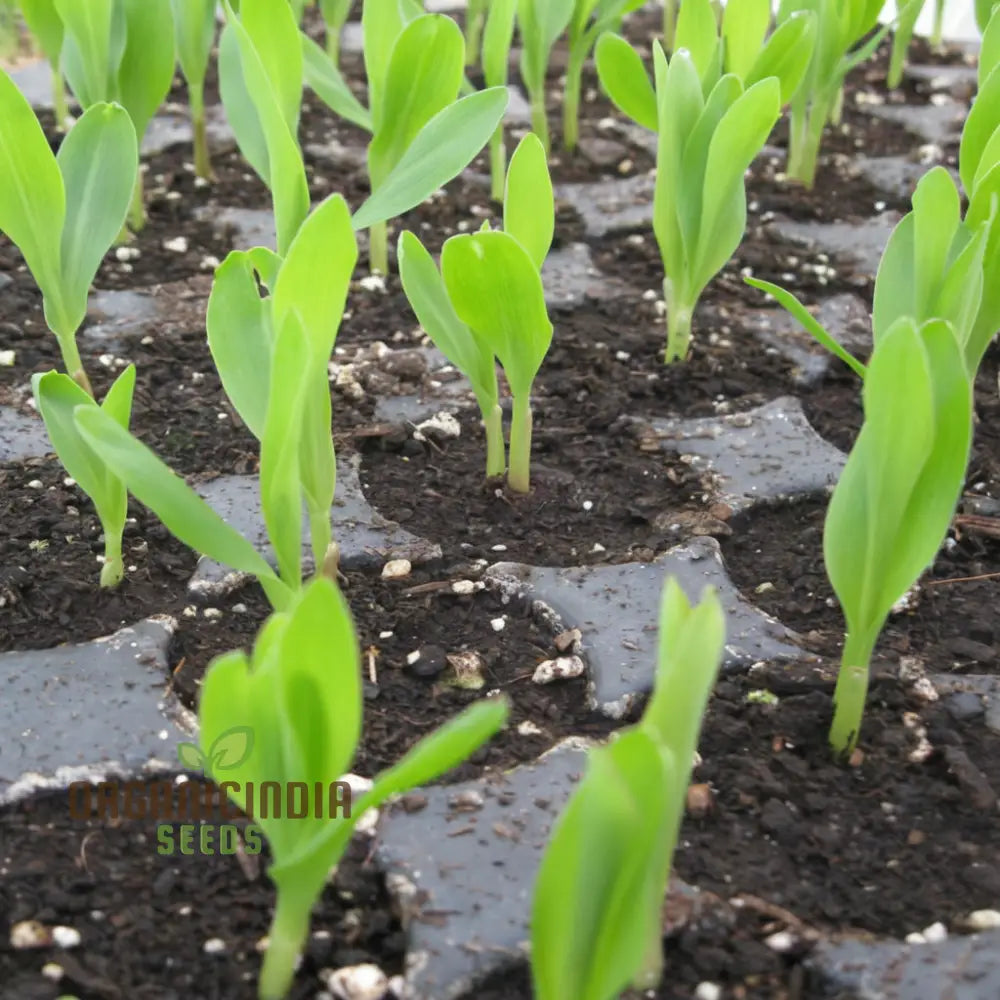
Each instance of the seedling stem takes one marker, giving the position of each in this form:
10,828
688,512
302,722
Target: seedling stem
518,475
850,694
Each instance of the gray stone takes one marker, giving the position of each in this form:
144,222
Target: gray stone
959,81
964,706
84,712
860,243
611,206
570,278
931,122
518,109
477,868
770,453
34,80
960,968
984,687
173,128
21,437
252,227
616,608
896,175
366,539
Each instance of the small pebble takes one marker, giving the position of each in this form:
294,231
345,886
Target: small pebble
498,624
983,920
708,991
178,244
7,358
396,569
66,937
53,972
214,946
560,669
29,934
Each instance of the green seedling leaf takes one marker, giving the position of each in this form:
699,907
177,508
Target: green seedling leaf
146,68
241,334
786,55
381,23
541,22
625,80
897,493
322,75
497,37
92,48
194,26
744,27
989,50
698,34
528,205
439,153
422,78
496,290
808,322
240,109
982,122
183,512
98,161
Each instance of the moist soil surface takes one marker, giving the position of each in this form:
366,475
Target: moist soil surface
899,840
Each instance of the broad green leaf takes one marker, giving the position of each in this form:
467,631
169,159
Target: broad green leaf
184,513
422,78
147,65
989,49
428,297
32,196
740,136
988,159
280,492
528,204
496,289
317,460
982,121
625,80
98,160
381,23
118,401
895,291
90,54
194,31
326,81
45,25
744,25
960,295
936,218
808,322
786,55
324,244
321,683
272,29
541,22
241,111
240,336
442,149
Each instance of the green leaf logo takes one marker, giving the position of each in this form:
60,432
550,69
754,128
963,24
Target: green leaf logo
230,749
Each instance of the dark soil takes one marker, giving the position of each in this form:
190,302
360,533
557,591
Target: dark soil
888,846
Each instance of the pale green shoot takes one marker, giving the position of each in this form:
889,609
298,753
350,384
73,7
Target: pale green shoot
335,14
896,497
299,694
608,861
488,302
591,18
64,212
46,26
497,37
540,22
57,396
901,37
194,22
706,143
476,12
123,51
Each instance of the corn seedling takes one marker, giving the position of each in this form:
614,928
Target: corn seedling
844,39
710,128
194,21
608,861
46,26
476,12
57,397
121,51
669,24
540,23
422,137
984,11
64,211
299,694
497,37
272,355
897,494
335,14
591,18
487,303
902,35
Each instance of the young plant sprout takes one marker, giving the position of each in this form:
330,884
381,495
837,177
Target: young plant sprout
488,303
476,12
422,137
707,139
902,35
299,693
669,24
194,21
272,356
57,397
608,861
64,212
895,499
46,26
122,51
335,14
591,18
497,37
840,26
540,23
